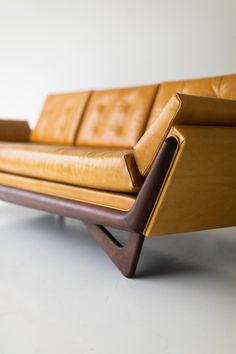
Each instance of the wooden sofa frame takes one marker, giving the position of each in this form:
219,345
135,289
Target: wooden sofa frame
97,218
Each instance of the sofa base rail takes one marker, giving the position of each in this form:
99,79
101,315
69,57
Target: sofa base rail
64,207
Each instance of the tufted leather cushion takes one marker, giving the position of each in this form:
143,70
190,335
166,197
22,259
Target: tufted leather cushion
113,170
116,118
114,200
216,87
60,118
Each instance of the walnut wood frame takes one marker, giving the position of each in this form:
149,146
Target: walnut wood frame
97,218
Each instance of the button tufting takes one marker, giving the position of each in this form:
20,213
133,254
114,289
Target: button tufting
116,117
60,118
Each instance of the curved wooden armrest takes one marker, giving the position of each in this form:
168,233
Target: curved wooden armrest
14,130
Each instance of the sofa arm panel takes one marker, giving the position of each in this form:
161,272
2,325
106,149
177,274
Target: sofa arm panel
182,110
14,130
200,190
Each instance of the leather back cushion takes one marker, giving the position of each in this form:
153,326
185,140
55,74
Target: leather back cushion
218,87
116,118
60,118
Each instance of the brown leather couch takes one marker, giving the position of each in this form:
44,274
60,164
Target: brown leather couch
151,160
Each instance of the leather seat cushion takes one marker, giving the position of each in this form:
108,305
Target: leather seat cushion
113,170
60,118
118,201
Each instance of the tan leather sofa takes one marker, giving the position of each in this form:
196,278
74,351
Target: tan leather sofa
151,160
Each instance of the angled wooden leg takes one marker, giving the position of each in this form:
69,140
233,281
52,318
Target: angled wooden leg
124,257
61,220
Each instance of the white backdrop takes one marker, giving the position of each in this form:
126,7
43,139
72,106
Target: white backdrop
64,45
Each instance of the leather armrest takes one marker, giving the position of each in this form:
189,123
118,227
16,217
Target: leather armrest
182,110
199,191
14,130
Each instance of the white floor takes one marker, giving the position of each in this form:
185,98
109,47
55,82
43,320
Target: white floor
59,293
